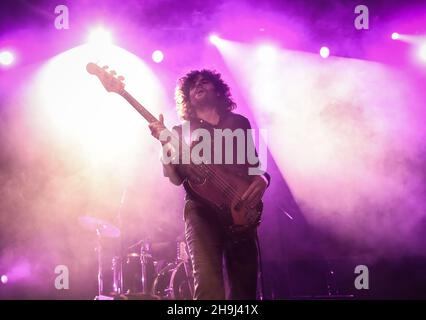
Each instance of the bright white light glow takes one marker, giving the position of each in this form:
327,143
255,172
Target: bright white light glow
266,52
6,58
157,56
395,36
213,38
324,52
422,52
100,37
4,279
318,126
75,110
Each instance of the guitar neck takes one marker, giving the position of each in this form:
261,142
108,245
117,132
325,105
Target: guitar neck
183,148
139,108
144,112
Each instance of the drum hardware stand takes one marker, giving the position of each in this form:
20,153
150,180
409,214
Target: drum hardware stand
100,269
145,255
190,277
183,255
118,261
332,289
117,275
103,229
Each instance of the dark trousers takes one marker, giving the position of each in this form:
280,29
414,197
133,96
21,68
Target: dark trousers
214,251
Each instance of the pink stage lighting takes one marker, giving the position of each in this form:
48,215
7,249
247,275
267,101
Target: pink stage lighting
4,279
157,56
100,37
213,38
324,52
422,52
6,58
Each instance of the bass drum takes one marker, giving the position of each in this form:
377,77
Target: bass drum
174,282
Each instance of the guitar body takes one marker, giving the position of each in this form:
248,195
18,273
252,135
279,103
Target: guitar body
223,191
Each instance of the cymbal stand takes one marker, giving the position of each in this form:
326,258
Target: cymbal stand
118,277
145,257
99,254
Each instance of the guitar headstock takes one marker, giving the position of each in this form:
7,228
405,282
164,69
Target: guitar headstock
109,80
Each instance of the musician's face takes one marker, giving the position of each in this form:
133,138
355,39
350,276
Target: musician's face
202,92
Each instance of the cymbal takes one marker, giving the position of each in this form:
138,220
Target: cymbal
105,228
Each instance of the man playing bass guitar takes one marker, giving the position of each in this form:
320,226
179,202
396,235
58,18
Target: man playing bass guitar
217,250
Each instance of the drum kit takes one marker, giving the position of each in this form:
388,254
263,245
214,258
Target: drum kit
135,273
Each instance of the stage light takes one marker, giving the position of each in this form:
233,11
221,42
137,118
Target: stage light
4,279
100,37
324,52
157,56
266,52
395,36
6,58
213,38
422,52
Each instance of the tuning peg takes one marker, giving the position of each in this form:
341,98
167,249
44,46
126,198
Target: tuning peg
121,78
113,72
105,67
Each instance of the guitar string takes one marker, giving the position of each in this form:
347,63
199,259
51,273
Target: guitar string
250,217
221,182
224,184
228,190
205,170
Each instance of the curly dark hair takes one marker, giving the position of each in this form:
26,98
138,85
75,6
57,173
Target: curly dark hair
183,104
